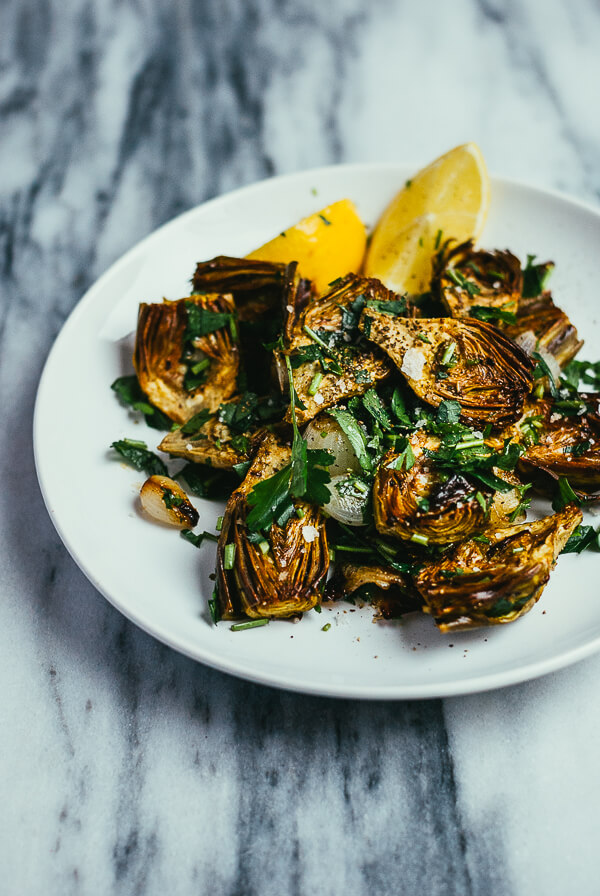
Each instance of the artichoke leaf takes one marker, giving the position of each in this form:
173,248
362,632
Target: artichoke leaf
212,444
390,592
328,329
162,341
279,574
492,583
467,361
549,326
465,278
563,439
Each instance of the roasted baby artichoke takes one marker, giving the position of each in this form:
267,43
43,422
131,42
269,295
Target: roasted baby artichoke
274,575
540,322
186,357
267,296
487,584
465,279
328,367
391,592
415,502
563,439
467,361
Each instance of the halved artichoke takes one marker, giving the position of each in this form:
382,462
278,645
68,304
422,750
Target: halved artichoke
488,584
563,439
167,354
256,286
548,326
267,296
212,444
426,505
280,574
355,368
391,592
464,278
467,361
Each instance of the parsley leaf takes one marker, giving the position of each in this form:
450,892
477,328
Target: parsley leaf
535,277
201,321
355,436
481,312
130,393
137,455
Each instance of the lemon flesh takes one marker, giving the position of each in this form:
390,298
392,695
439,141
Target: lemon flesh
327,245
448,199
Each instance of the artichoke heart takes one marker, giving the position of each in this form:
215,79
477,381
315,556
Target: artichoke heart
547,328
468,361
563,439
422,502
391,592
268,297
465,278
212,444
274,575
479,584
186,357
328,368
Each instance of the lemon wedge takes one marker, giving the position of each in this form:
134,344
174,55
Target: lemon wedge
326,245
448,199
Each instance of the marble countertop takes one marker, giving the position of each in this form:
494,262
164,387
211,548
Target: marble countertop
126,768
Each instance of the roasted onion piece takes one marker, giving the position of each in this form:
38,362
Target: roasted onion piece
353,369
465,278
487,584
278,575
165,501
467,361
182,372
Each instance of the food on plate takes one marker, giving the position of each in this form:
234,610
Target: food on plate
326,244
376,420
187,354
447,199
166,502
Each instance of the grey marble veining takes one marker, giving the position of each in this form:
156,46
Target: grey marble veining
125,767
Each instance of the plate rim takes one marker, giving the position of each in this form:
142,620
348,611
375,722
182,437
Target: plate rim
219,661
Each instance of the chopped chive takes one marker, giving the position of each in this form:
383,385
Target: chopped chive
315,383
317,608
326,627
264,546
242,626
233,328
419,539
219,525
325,220
518,550
331,555
134,443
229,556
448,353
438,238
300,512
200,366
470,443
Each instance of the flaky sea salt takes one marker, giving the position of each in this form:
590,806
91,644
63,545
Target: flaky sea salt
413,364
309,533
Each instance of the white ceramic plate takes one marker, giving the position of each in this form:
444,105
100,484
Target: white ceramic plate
161,582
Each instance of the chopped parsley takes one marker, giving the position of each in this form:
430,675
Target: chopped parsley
136,454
